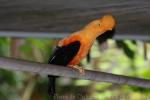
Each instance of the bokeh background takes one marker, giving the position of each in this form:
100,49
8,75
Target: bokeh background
118,57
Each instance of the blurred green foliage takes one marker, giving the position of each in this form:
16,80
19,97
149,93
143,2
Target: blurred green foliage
120,57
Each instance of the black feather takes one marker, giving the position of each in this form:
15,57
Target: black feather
61,56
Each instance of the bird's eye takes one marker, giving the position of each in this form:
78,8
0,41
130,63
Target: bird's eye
99,24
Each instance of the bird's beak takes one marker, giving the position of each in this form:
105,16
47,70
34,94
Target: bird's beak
110,29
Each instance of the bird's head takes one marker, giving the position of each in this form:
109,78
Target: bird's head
101,25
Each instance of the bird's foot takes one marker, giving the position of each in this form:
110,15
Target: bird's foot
78,68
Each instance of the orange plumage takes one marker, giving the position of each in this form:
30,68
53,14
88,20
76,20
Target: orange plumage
87,35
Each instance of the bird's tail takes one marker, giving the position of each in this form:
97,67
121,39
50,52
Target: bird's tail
51,85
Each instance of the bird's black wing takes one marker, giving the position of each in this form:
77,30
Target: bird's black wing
62,56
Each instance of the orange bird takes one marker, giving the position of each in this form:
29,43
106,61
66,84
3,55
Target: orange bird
71,49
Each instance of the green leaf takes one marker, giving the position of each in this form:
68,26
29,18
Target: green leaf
8,77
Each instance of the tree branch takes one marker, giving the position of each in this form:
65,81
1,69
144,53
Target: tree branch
34,67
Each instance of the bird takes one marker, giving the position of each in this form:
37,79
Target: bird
73,48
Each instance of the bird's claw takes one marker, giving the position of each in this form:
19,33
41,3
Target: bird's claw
78,68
